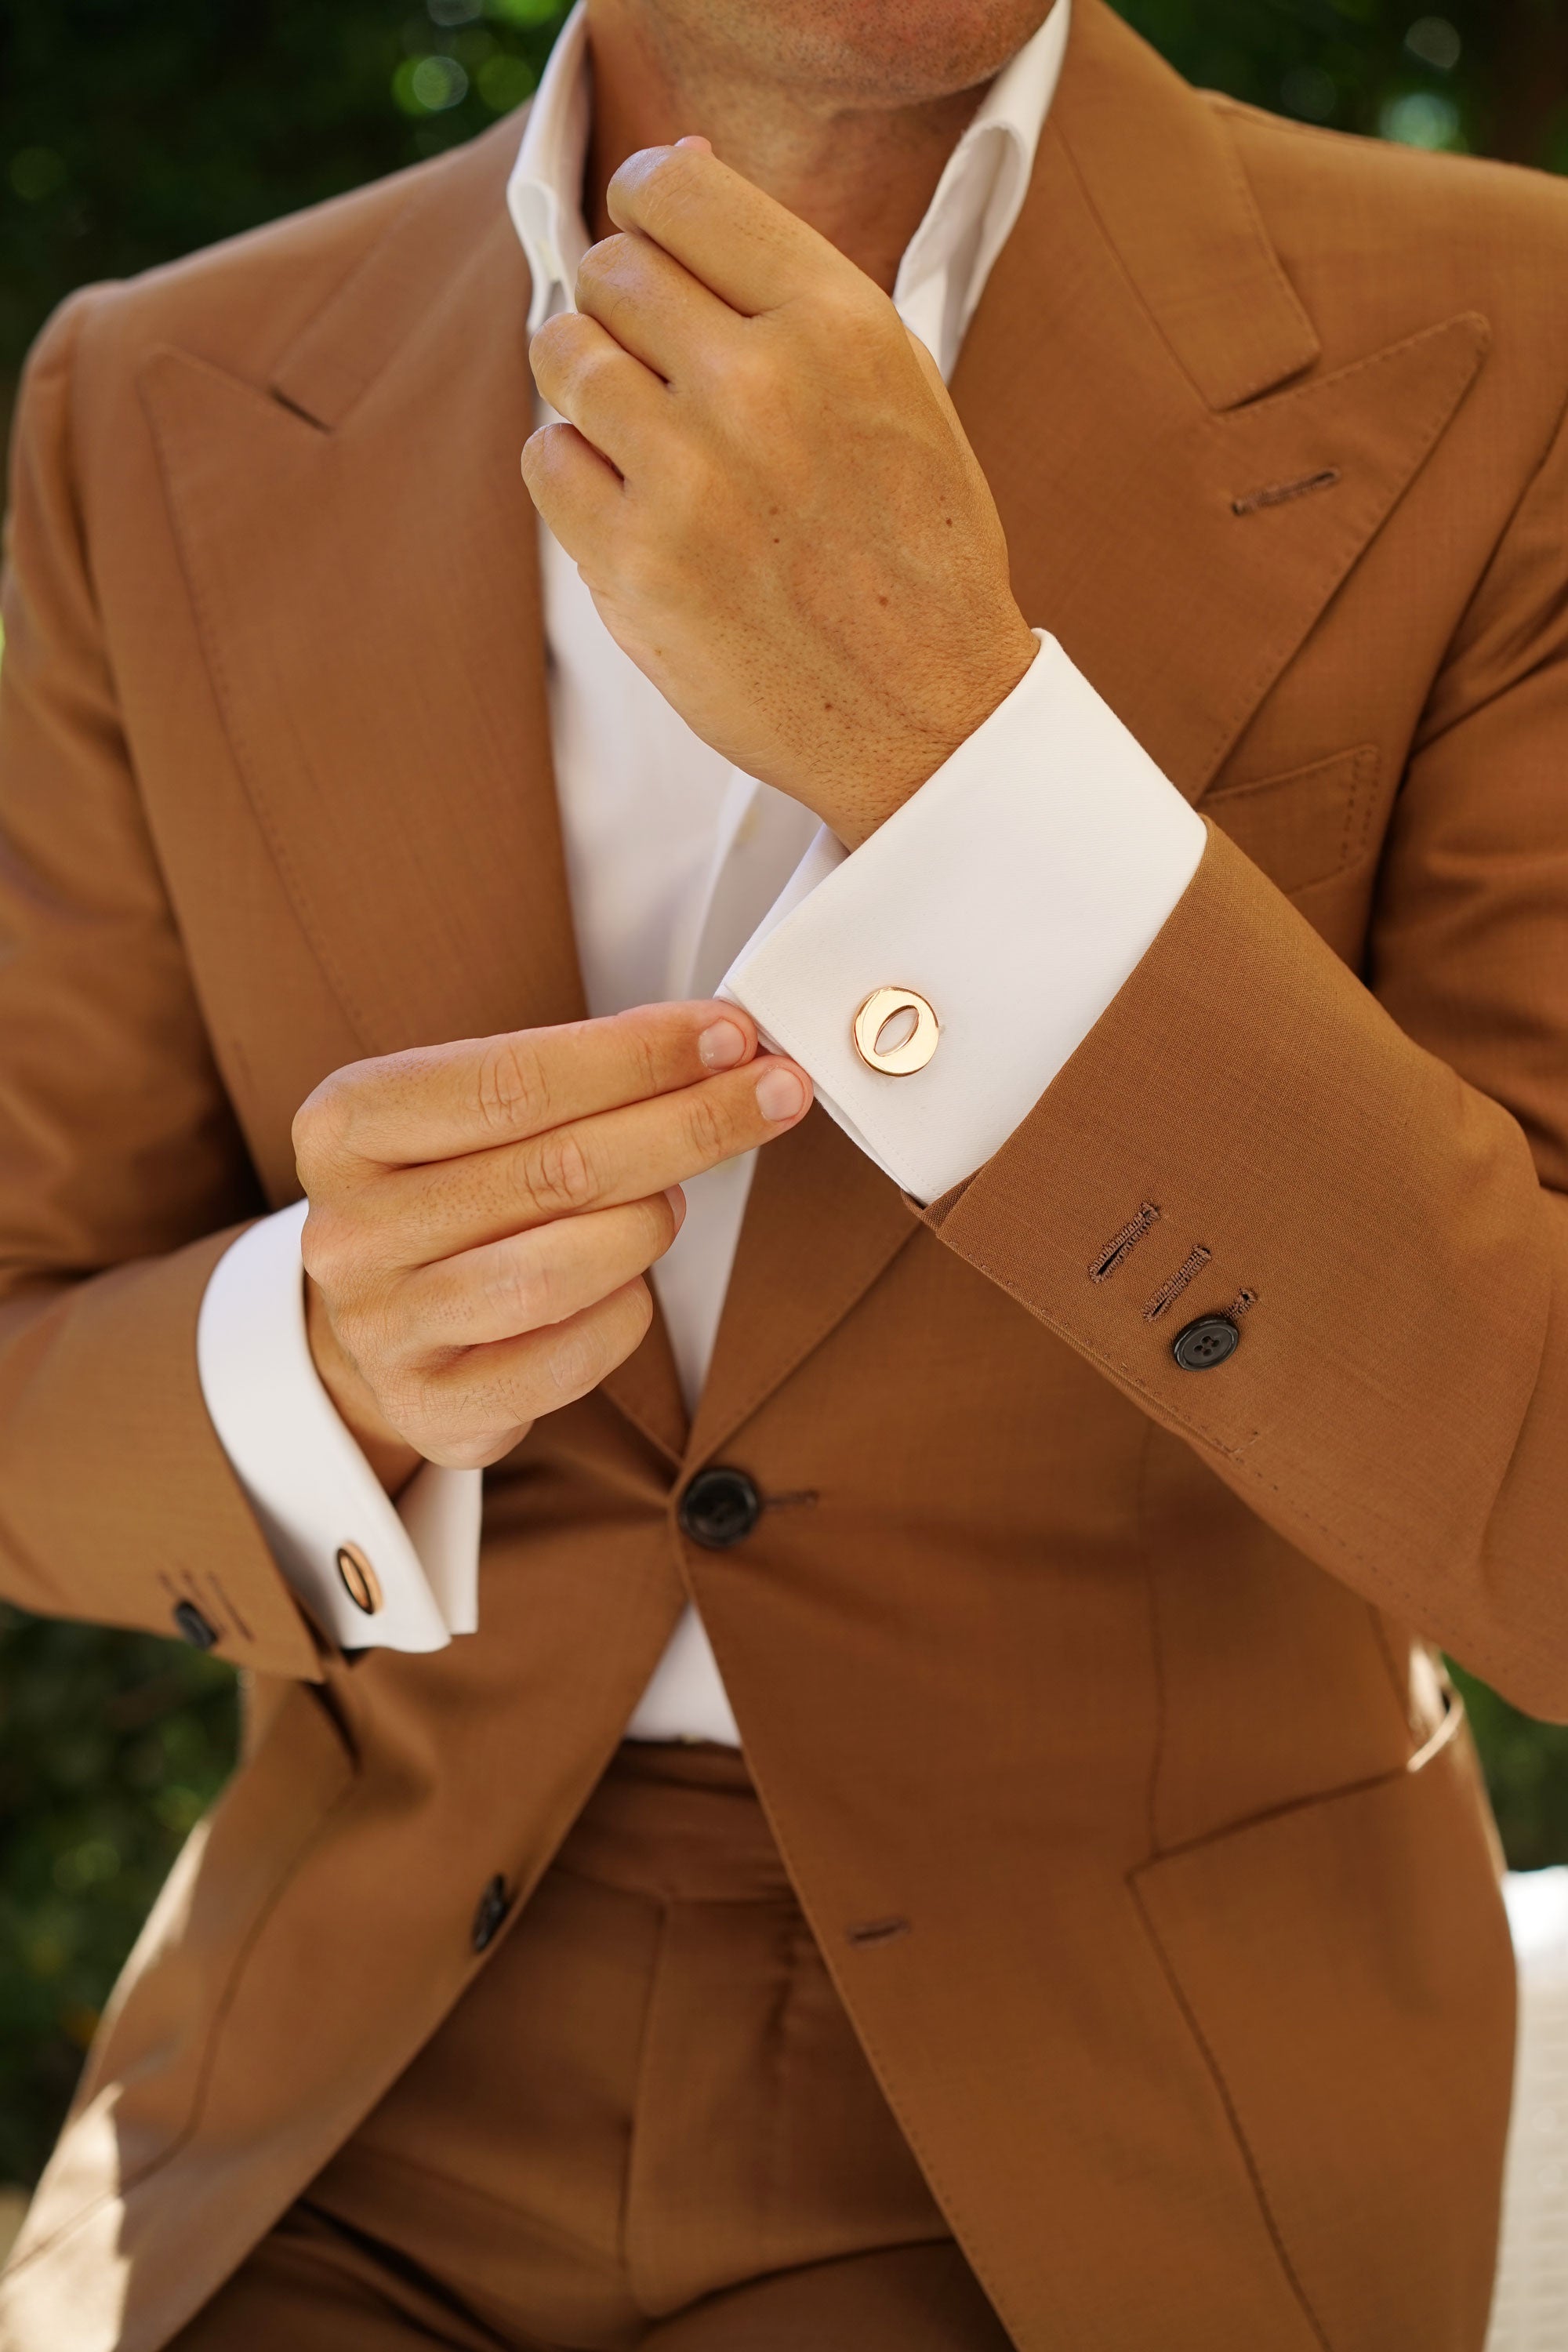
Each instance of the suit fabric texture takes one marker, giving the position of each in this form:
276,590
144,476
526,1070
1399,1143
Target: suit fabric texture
646,2127
1109,1683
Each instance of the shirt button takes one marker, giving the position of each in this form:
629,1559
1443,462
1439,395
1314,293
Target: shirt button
193,1627
1205,1343
718,1508
493,1906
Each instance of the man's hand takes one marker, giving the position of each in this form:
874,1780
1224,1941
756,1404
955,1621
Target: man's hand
482,1214
768,492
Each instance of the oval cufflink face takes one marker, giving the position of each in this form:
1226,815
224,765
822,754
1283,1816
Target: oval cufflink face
360,1581
902,1017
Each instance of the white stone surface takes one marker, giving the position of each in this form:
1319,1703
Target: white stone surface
1531,2313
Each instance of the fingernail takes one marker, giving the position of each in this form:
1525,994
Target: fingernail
721,1048
780,1095
677,1199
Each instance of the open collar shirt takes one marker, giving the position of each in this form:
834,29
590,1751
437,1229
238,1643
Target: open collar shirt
1016,890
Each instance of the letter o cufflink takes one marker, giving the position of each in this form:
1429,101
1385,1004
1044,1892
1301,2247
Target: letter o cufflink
916,1046
360,1581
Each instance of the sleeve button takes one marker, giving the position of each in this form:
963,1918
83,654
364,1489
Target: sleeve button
493,1906
1205,1343
193,1627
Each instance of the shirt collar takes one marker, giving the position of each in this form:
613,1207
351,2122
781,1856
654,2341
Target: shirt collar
977,199
983,185
544,194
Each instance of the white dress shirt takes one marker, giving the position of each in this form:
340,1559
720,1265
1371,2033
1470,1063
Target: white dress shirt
1016,891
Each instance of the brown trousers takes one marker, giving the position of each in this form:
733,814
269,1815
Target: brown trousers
648,2124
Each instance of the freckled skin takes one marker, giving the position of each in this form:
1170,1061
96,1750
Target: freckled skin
761,478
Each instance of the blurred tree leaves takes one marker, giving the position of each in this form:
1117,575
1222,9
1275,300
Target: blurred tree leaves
111,1747
1488,76
130,134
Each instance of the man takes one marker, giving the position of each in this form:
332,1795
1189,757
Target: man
1129,795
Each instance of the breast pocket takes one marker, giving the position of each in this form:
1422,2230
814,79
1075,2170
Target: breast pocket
1307,826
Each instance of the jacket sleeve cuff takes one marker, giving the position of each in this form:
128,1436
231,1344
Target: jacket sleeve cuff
310,1486
1016,891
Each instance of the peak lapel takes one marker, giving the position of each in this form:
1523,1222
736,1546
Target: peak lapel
1138,367
1135,374
369,604
821,1223
362,557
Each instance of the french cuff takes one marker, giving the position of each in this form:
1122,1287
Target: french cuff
934,982
371,1575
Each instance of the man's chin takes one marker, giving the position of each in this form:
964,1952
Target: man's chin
864,52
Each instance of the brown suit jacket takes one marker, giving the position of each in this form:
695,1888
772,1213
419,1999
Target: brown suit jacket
1110,1682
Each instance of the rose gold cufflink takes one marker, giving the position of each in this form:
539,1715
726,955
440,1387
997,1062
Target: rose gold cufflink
902,1017
360,1581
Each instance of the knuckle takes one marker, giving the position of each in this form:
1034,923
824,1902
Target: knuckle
554,341
603,266
454,1418
521,1291
324,1248
660,1221
707,1127
561,1179
476,1451
747,375
321,1124
643,1051
512,1086
581,1352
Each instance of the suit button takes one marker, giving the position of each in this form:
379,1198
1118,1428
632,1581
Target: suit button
718,1508
493,1906
1205,1343
193,1627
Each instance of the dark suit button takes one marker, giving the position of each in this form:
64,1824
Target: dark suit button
1205,1343
718,1508
494,1905
193,1627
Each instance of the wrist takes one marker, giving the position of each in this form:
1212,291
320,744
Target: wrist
389,1453
974,696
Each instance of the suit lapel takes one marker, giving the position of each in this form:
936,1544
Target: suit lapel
1136,371
388,712
821,1225
1180,504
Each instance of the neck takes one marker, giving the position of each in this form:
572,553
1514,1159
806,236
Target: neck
861,174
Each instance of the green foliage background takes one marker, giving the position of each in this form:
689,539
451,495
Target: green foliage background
130,133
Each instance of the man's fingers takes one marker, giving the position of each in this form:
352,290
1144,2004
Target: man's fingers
473,1410
441,1102
749,249
534,1279
576,490
419,1215
614,401
654,307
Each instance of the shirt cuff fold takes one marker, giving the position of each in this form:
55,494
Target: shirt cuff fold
310,1486
1016,892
